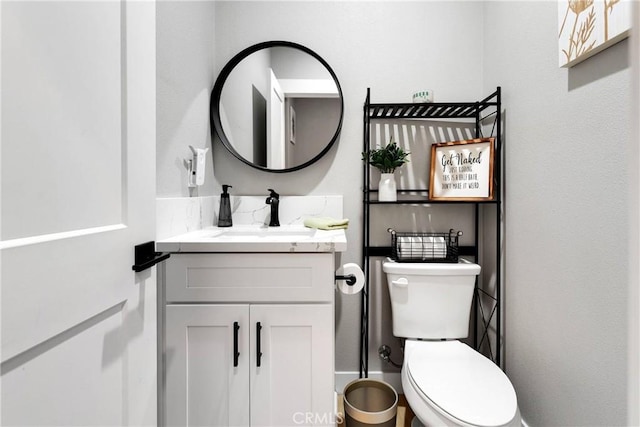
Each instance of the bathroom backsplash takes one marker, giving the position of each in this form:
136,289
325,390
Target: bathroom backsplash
178,215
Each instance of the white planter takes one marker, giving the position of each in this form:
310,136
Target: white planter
387,188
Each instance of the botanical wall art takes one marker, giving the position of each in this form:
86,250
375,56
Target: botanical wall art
586,27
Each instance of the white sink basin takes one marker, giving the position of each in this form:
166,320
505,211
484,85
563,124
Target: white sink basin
285,233
257,238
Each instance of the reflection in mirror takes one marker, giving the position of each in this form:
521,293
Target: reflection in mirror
277,106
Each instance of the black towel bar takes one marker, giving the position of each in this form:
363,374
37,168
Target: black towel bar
146,256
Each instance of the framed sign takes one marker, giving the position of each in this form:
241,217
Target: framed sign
462,170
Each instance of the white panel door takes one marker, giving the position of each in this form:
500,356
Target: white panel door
275,125
78,191
207,357
292,380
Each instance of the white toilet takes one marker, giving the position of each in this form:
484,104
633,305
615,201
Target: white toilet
445,381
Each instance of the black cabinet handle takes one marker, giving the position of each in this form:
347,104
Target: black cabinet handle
236,353
258,349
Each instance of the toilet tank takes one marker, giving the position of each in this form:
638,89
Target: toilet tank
431,300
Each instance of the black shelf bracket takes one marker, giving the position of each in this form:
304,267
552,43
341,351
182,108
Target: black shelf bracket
146,256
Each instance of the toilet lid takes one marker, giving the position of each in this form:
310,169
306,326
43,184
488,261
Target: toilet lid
462,383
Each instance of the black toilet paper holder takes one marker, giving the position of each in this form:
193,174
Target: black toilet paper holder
350,278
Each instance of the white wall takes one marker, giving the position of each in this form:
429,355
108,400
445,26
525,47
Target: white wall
566,256
251,74
185,76
566,139
633,389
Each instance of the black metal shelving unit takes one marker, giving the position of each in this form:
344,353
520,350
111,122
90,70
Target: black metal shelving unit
483,114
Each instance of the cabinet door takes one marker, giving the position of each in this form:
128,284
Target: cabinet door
294,384
206,384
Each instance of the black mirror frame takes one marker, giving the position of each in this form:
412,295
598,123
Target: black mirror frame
214,110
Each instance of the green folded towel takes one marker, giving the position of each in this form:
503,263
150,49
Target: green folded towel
326,223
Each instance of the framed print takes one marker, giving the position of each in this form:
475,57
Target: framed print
462,170
586,27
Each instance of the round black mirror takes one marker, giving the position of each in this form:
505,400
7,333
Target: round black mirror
277,106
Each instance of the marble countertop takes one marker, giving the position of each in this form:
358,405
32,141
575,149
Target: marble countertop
253,238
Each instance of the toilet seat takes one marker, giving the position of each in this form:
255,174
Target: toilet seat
462,383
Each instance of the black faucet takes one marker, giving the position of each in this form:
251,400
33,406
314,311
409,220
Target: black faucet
274,201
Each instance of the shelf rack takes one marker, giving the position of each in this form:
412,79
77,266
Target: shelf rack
483,114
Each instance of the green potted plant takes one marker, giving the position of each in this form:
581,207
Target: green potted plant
387,159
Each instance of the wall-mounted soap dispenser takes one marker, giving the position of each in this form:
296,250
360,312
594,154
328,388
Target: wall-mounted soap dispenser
224,216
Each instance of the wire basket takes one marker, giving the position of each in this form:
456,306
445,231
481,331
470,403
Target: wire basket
424,247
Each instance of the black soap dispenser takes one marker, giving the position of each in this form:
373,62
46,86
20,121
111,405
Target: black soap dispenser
224,216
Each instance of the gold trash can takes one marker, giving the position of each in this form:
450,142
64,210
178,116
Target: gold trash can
370,402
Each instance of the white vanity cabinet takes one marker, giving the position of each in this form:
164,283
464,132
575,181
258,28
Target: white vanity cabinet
249,339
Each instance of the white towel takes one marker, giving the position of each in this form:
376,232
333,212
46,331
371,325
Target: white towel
421,247
435,247
408,247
